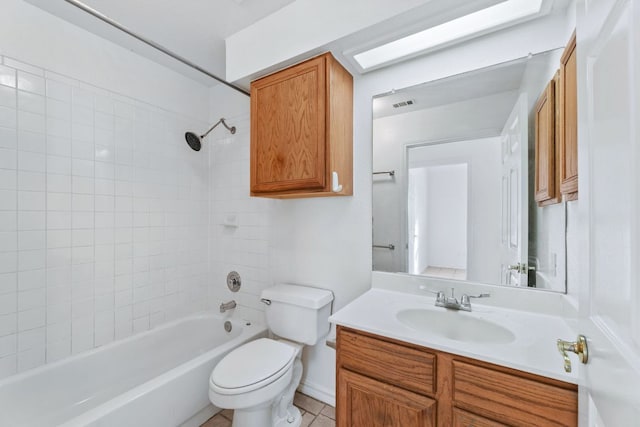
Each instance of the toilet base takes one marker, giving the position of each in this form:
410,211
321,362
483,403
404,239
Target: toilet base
263,417
278,412
256,416
294,419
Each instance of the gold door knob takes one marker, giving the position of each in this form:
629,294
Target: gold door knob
578,347
519,267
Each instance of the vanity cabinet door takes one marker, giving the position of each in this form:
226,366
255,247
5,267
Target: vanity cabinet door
467,419
569,122
546,182
302,131
365,402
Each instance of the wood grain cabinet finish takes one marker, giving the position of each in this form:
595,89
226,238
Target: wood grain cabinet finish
367,402
302,130
410,368
467,419
568,109
385,382
547,190
511,398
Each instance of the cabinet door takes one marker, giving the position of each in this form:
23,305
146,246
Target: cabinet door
365,402
569,123
545,183
467,419
288,111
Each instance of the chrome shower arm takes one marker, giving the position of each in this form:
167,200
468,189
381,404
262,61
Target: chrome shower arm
231,129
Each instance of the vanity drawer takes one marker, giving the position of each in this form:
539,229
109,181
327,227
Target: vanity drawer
401,365
513,399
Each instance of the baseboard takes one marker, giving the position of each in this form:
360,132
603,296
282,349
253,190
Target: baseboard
198,419
318,392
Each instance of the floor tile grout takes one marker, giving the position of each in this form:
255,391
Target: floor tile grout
306,404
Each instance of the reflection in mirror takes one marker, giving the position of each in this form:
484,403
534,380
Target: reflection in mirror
453,180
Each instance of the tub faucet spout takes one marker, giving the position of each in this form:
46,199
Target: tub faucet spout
227,306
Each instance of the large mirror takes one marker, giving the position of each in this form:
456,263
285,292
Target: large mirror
453,173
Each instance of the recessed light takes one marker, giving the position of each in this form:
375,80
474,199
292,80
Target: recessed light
450,31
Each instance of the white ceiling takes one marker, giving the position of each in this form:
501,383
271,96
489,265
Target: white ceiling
193,29
474,103
476,84
196,29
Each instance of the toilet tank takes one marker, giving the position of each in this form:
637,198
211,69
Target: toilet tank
298,313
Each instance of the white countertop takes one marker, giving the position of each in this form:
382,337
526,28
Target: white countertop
533,350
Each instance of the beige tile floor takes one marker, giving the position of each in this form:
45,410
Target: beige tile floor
314,414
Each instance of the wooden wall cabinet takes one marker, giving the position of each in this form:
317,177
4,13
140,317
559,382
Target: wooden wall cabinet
568,109
556,126
302,131
547,184
385,382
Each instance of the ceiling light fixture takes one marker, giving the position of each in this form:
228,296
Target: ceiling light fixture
457,29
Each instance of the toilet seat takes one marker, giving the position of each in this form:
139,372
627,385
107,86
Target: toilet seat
252,366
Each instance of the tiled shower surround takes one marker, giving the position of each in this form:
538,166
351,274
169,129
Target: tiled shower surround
245,247
104,213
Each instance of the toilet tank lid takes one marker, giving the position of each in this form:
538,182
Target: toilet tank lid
303,296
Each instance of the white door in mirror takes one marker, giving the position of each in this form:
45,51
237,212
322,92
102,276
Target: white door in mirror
515,234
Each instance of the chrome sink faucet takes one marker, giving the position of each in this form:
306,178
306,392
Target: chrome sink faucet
227,306
452,302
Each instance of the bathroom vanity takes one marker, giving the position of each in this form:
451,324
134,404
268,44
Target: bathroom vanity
402,361
382,381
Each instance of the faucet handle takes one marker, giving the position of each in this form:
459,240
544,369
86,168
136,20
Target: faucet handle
478,296
439,294
424,288
465,300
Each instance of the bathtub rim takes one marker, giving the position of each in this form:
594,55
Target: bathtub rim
247,325
94,414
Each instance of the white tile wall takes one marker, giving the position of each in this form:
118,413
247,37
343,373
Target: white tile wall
243,248
102,212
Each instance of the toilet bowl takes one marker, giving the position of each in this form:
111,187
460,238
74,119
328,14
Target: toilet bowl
258,380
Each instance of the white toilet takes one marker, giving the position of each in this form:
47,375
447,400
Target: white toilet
258,379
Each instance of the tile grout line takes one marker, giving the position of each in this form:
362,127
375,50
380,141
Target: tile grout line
17,286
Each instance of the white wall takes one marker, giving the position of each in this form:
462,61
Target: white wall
484,168
102,205
447,219
36,37
417,224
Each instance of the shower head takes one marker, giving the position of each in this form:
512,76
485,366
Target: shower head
195,141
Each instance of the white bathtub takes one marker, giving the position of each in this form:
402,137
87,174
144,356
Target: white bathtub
158,378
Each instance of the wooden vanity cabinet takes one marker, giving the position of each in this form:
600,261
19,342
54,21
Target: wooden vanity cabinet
568,114
302,131
385,382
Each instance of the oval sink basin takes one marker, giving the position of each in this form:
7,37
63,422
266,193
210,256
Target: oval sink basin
457,326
